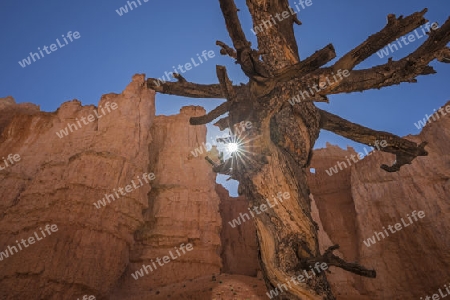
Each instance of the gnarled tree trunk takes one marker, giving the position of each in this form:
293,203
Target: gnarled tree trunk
276,152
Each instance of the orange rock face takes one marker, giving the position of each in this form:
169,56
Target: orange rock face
58,180
9,109
239,244
72,158
183,208
354,203
75,170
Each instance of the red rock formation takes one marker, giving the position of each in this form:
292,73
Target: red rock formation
239,244
95,250
183,208
412,262
9,109
62,175
58,180
337,192
223,286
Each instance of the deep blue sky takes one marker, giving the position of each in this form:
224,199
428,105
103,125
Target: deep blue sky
159,34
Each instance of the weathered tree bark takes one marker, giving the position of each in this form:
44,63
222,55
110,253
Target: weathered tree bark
276,152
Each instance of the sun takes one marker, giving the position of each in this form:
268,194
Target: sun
232,147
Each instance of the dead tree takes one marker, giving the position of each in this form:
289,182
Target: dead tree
277,152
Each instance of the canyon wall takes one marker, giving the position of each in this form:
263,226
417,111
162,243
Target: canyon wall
358,201
58,180
78,168
63,179
9,109
183,208
239,242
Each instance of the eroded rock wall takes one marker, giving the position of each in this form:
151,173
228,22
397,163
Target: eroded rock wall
412,262
97,247
58,180
63,176
9,109
239,243
183,208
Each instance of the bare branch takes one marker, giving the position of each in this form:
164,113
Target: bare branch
222,123
261,86
226,50
315,61
213,114
229,93
226,85
178,77
229,11
404,150
395,28
244,52
296,20
333,260
392,73
189,89
444,55
396,72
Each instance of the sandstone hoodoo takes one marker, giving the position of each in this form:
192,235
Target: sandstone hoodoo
355,204
207,215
